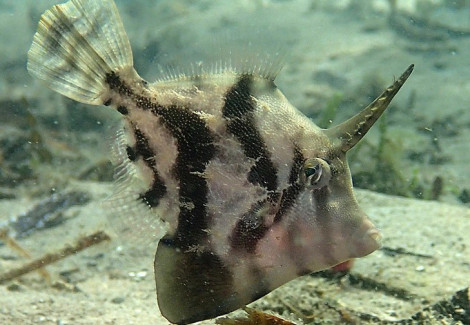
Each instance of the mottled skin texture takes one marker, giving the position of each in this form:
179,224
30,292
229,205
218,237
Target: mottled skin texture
253,193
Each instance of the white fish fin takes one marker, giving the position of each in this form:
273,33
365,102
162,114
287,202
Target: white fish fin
76,45
249,59
266,66
240,54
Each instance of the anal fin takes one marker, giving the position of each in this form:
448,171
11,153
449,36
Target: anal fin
192,285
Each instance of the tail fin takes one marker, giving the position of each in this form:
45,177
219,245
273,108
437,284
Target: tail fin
76,45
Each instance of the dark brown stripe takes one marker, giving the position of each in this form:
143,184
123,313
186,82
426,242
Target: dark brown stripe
131,154
123,110
158,190
249,229
238,101
289,196
297,164
291,193
115,83
196,148
195,143
154,194
238,111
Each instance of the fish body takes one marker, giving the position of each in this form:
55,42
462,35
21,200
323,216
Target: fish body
253,194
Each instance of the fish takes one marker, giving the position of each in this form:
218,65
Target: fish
251,192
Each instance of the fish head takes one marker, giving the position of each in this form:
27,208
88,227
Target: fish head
327,226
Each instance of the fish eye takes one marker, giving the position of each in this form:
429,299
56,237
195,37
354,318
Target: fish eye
313,173
316,172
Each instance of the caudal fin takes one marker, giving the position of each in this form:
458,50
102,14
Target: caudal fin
76,45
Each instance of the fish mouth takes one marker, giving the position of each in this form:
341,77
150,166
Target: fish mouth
366,239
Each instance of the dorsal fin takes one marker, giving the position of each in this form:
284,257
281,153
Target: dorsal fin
229,52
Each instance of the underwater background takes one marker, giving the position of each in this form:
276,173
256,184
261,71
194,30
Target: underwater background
55,171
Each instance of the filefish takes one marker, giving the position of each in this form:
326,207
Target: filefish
252,193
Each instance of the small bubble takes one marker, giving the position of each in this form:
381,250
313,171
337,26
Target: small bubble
141,274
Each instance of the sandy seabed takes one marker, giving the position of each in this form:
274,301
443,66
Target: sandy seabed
425,263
